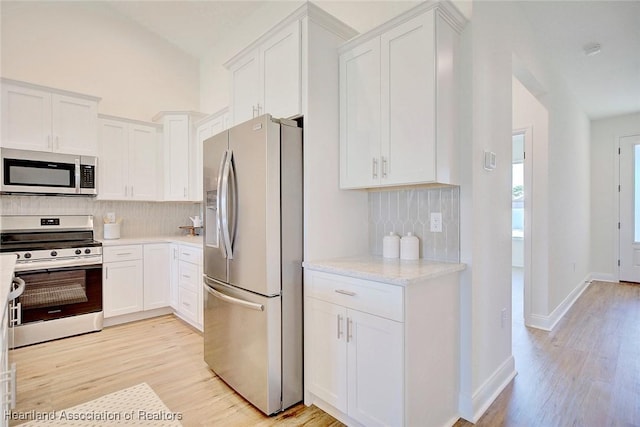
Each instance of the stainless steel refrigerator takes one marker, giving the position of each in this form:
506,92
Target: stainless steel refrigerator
253,260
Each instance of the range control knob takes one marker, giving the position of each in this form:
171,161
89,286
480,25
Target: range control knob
27,255
18,255
78,251
54,253
87,251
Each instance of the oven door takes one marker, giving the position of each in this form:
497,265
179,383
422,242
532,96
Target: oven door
60,292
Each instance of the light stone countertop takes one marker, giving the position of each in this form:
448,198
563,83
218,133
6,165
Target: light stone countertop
392,271
195,241
7,263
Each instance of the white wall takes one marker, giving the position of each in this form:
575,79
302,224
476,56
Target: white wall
85,47
605,136
499,30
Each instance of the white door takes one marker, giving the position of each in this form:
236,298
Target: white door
360,164
408,103
281,76
123,292
113,160
143,162
376,369
326,352
157,275
245,89
74,125
26,118
629,213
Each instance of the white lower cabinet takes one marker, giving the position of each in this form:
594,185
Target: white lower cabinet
122,281
378,354
135,278
186,283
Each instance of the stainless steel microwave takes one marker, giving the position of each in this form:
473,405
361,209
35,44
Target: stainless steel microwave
36,172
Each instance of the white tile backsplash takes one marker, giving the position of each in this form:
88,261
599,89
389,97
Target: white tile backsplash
139,219
403,211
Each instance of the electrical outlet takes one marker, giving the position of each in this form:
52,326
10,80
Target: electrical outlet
111,217
503,317
436,222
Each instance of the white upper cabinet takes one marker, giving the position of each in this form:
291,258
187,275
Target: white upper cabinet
180,151
129,160
397,101
267,78
34,118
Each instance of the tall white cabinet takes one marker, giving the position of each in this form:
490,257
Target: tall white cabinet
179,163
397,101
46,119
129,159
266,77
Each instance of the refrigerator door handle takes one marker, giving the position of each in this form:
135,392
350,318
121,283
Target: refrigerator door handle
223,162
224,195
233,187
232,300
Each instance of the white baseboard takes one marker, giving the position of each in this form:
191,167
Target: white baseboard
548,322
134,317
604,277
473,407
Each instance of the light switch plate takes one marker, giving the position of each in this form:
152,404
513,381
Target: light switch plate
436,222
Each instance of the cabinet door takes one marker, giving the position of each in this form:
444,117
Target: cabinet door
281,73
325,331
375,369
143,162
245,88
408,101
157,275
26,118
177,152
360,116
122,288
74,125
175,276
205,131
113,159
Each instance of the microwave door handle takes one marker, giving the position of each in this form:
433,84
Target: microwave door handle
77,175
223,162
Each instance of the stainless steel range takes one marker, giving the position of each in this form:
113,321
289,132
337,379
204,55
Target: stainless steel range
61,265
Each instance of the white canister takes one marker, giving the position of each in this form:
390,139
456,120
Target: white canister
409,247
391,246
112,230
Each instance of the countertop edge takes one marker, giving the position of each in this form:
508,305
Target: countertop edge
437,269
196,241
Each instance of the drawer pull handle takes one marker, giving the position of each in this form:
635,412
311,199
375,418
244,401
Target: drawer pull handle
186,276
124,253
343,292
186,304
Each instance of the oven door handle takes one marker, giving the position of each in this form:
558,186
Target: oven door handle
59,263
15,293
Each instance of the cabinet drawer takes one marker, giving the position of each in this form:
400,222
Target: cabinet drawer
188,304
121,253
191,254
376,298
189,276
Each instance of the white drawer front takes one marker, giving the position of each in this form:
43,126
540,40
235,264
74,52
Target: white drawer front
191,254
376,298
188,304
189,276
121,253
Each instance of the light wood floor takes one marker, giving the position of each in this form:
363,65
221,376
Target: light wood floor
163,352
584,373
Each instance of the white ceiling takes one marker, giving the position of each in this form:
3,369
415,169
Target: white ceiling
604,85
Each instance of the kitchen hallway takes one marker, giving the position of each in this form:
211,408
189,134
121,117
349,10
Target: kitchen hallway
586,372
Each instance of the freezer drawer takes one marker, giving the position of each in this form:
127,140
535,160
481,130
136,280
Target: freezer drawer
242,342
